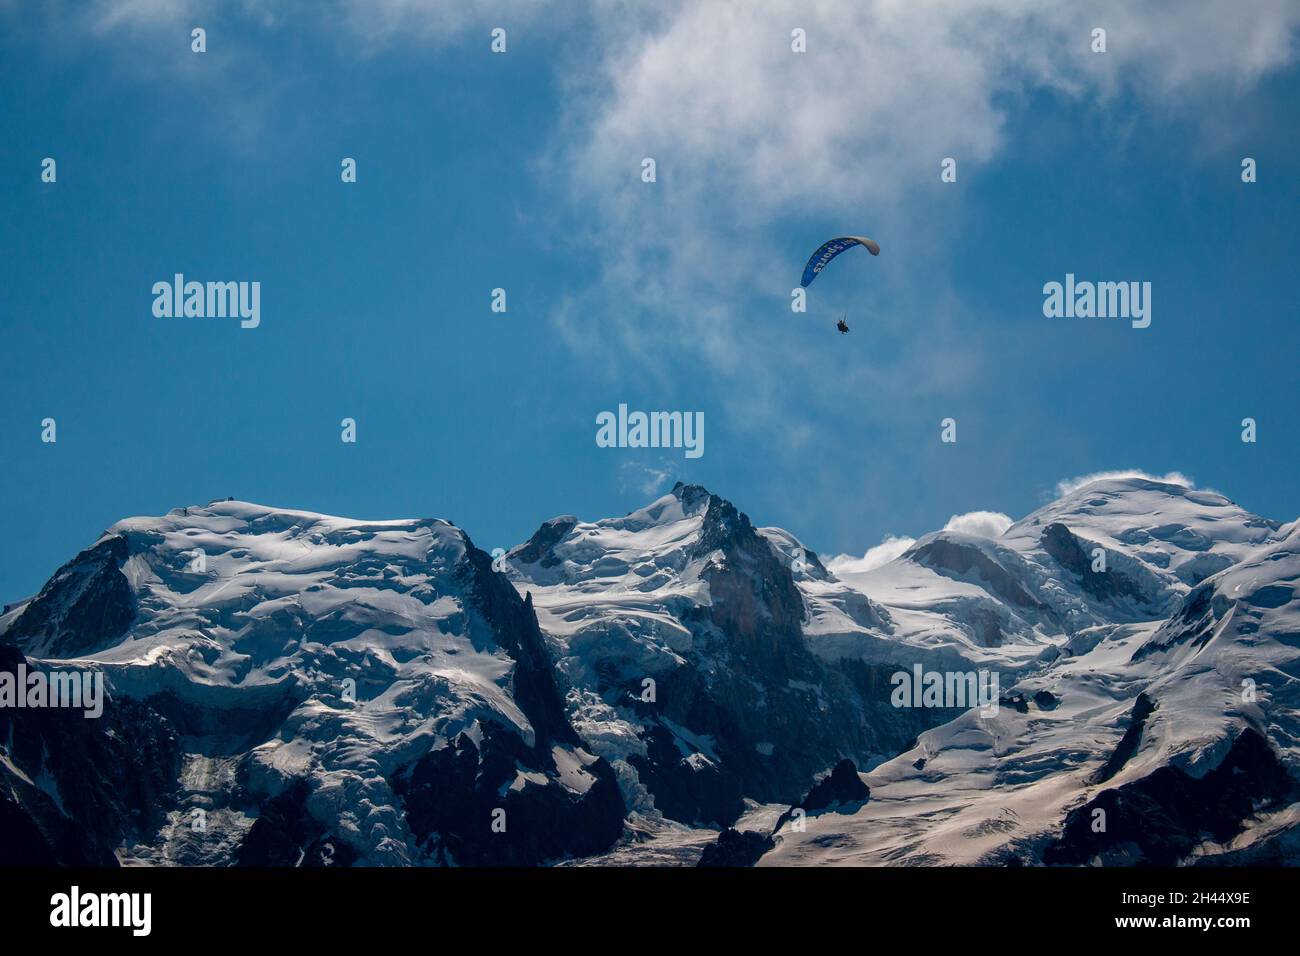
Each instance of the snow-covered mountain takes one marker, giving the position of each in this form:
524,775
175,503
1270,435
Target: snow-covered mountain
293,688
1010,599
1159,728
686,639
328,690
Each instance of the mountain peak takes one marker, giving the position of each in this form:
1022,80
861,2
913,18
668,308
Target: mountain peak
1178,531
692,497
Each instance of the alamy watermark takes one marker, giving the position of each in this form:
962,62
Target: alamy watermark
1098,300
958,689
651,430
75,908
75,690
209,300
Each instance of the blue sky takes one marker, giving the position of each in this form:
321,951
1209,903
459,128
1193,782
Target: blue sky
521,171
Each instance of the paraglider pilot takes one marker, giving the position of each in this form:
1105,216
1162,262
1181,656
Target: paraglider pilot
828,251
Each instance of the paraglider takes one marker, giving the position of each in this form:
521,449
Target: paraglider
828,251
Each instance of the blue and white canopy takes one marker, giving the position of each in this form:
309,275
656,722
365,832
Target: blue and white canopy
829,250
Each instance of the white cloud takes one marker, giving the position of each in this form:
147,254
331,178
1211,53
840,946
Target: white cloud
888,549
1068,485
761,152
756,145
885,87
986,524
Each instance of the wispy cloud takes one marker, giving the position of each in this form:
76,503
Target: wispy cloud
755,144
888,549
1068,485
761,152
985,524
644,477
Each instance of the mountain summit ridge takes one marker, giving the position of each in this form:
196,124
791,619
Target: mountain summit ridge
324,690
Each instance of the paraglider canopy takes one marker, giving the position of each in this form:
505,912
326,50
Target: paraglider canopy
829,250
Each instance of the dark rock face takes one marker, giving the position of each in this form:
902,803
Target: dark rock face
86,606
688,788
775,713
1201,609
756,603
225,730
842,788
538,548
105,780
1016,701
1043,700
515,628
458,797
734,848
770,733
285,834
1143,708
1162,817
956,558
1046,700
1075,555
451,794
24,843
